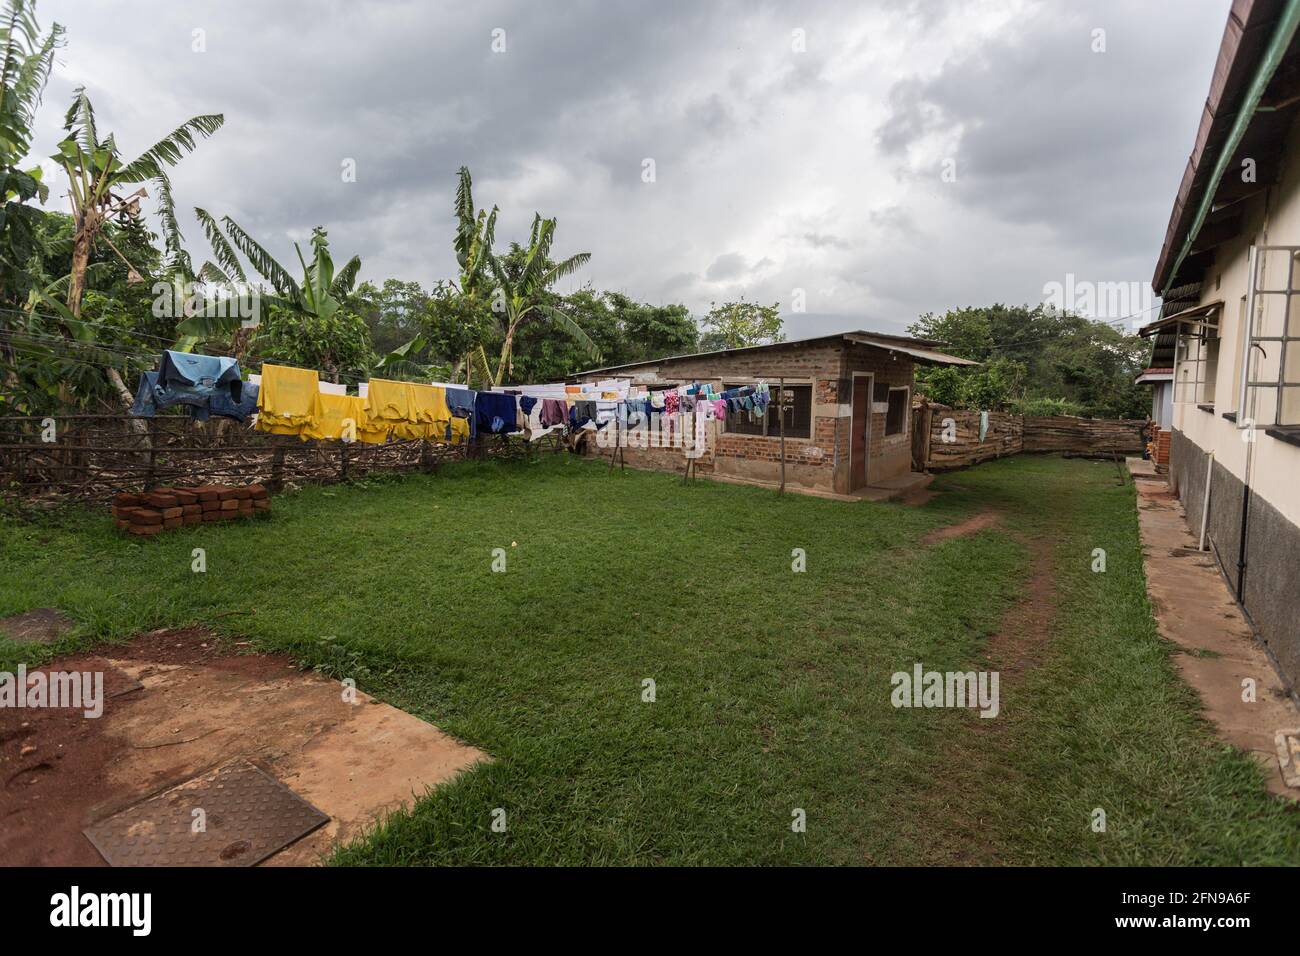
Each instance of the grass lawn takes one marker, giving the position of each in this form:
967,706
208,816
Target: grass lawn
772,687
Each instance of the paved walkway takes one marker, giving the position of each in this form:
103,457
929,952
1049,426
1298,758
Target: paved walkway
1194,609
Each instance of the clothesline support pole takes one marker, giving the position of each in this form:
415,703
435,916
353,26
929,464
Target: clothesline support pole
781,417
617,452
149,481
276,484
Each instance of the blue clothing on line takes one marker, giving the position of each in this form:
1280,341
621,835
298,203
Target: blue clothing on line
496,412
460,401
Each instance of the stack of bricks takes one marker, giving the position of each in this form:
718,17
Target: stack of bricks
1160,451
164,508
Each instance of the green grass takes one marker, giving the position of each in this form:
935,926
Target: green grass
773,687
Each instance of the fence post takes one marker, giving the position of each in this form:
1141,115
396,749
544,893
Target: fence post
343,460
276,484
781,420
149,476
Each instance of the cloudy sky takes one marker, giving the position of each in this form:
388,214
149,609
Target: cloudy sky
878,159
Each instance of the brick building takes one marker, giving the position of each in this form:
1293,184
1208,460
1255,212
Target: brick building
847,409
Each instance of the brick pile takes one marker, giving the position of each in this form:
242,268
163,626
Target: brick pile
165,508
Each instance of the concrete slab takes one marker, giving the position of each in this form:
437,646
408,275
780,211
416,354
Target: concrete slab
1195,610
199,706
1140,467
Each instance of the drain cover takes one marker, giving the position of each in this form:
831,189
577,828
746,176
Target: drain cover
41,626
235,815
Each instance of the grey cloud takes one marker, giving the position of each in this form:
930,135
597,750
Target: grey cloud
729,265
1069,158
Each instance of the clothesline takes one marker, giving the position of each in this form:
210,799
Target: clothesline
285,400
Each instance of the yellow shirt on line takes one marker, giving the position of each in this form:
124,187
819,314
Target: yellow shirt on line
285,399
343,416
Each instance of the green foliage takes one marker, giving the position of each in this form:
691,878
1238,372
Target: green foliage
524,279
26,55
1044,407
1088,365
650,331
734,325
337,343
987,387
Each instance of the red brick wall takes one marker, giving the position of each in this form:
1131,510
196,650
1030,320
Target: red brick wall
1160,453
821,461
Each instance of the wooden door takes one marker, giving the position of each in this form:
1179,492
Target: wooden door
860,434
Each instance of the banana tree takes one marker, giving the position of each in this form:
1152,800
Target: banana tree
521,294
25,61
311,302
96,177
475,232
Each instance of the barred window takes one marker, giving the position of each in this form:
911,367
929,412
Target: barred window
797,409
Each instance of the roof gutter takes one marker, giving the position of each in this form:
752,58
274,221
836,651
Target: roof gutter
1277,47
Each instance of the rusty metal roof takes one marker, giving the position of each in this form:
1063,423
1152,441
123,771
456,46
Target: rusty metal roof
1252,27
922,350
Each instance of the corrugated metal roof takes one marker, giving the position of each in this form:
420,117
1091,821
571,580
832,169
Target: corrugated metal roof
1246,38
923,350
1187,315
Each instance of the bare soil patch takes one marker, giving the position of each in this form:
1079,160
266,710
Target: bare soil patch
976,522
178,703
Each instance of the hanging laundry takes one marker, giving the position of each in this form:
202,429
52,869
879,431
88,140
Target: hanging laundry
554,412
461,403
458,431
497,412
388,401
224,405
146,400
285,399
429,413
580,413
342,417
192,380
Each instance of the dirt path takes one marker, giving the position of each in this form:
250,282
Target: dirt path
1026,626
976,522
976,745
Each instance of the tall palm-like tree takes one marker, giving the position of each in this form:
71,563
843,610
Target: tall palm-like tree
321,293
25,61
475,232
96,177
521,296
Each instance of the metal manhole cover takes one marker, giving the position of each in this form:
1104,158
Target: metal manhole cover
44,625
244,816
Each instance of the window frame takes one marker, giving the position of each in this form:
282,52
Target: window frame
771,429
906,418
1260,289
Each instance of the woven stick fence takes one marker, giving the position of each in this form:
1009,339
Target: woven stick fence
91,457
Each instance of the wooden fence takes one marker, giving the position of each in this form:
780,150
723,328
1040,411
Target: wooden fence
92,457
954,436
